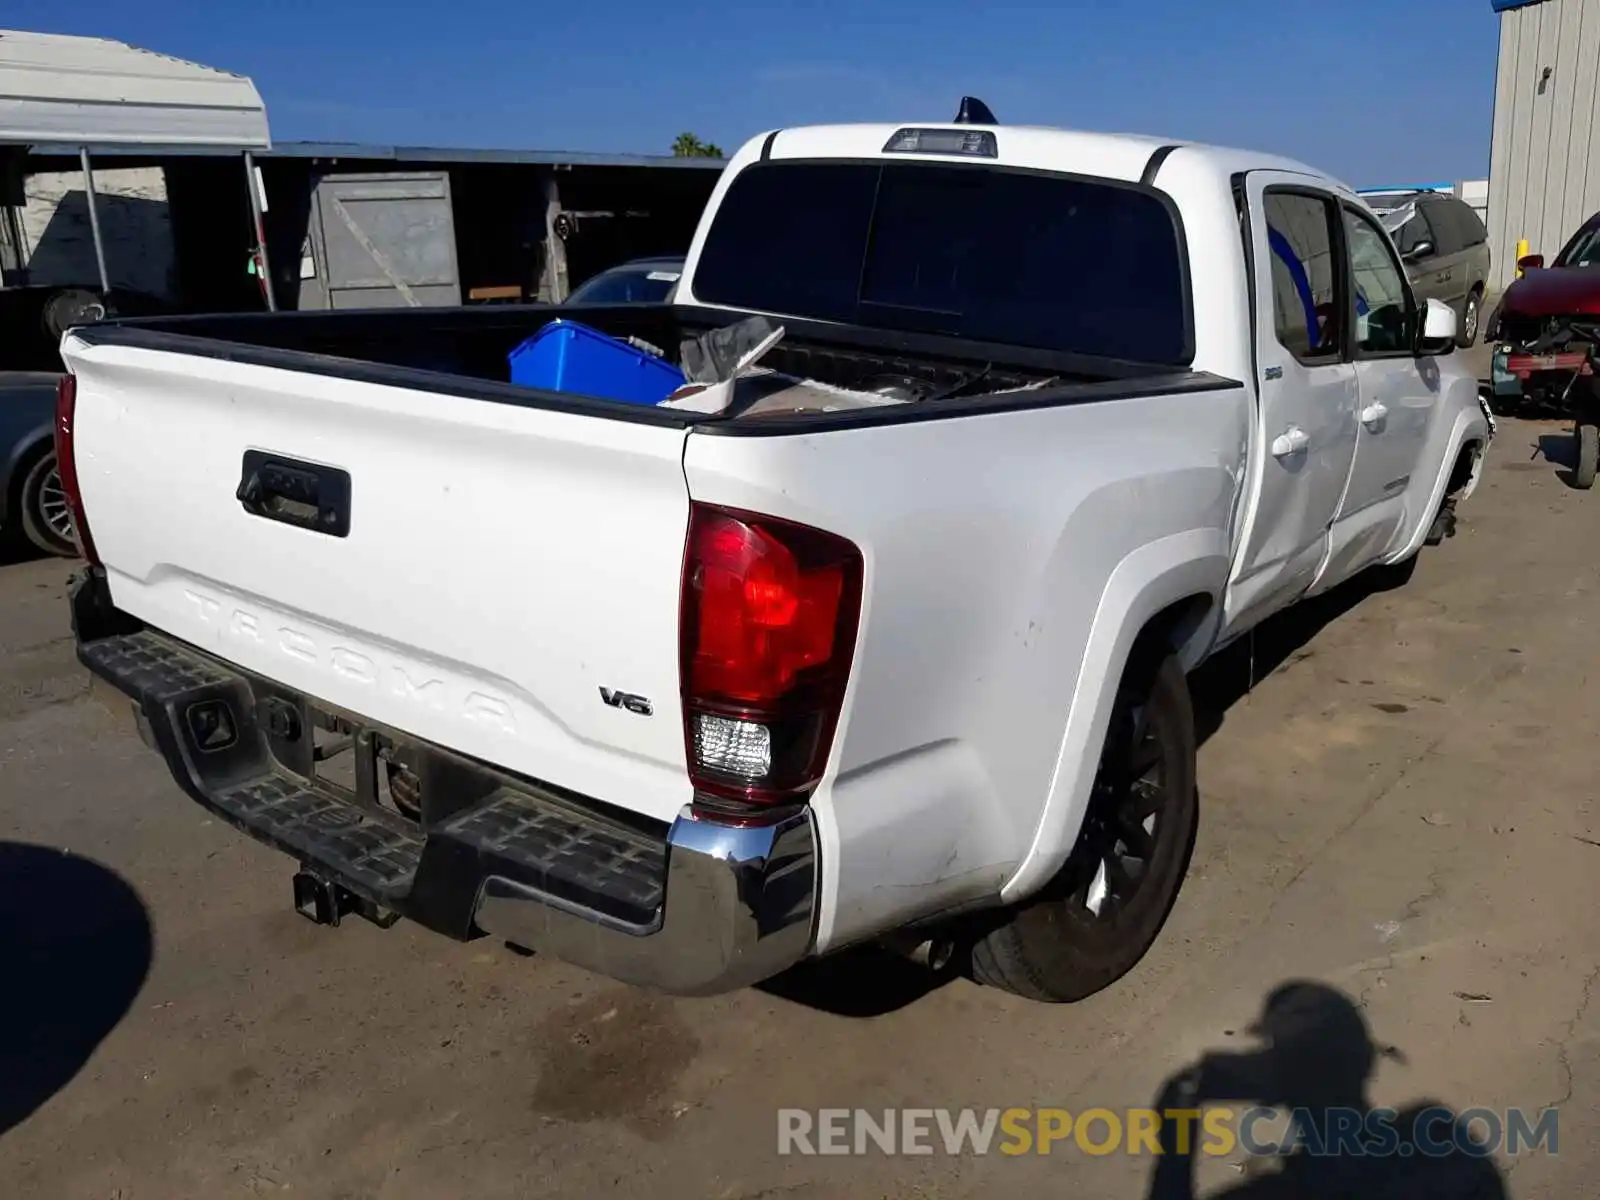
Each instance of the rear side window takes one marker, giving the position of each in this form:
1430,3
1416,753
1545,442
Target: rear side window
1300,241
1473,232
1461,225
1046,261
1448,235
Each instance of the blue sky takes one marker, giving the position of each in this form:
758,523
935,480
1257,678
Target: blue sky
1375,91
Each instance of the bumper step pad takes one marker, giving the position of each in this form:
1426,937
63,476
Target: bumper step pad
586,862
372,854
609,868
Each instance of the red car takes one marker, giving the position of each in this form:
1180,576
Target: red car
1548,327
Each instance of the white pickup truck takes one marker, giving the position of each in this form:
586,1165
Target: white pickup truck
897,653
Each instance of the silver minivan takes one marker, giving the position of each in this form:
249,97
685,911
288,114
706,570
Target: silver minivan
1445,249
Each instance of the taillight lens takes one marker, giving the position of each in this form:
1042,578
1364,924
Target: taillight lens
67,465
768,625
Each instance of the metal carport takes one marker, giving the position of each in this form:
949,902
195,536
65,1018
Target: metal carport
83,91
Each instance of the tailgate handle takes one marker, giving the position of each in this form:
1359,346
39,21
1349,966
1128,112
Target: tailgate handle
296,493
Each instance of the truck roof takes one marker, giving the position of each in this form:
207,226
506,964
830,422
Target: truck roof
1108,155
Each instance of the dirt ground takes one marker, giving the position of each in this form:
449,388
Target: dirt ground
1402,808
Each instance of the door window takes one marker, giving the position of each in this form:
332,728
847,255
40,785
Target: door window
1584,248
1383,305
1300,242
1417,230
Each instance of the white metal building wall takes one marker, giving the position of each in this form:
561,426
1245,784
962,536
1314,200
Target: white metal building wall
1544,168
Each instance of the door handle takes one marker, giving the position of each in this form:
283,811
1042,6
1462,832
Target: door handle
296,493
1373,414
1291,441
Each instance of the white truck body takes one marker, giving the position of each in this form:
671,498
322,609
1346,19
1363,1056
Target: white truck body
510,570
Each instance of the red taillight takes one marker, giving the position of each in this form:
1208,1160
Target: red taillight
768,632
67,465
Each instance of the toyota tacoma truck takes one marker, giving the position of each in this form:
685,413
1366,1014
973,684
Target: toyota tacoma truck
891,650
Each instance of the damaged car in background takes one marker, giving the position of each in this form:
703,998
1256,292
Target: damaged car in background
1547,326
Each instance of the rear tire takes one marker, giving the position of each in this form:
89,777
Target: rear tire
42,506
1061,946
1583,470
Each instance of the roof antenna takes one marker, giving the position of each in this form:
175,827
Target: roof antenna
975,112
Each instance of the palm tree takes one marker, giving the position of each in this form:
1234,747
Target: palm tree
687,145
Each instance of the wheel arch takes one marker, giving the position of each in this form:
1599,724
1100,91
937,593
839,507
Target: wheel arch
1465,450
1165,597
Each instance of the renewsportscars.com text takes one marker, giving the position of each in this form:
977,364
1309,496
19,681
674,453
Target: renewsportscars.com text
1212,1132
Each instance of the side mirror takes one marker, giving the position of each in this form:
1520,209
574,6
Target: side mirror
1421,250
1436,330
1530,262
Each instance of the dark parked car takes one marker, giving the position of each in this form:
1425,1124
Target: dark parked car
1446,252
641,281
32,505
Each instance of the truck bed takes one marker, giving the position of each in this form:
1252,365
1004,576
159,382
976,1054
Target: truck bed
464,352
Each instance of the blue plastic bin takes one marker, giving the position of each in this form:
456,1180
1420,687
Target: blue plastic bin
565,356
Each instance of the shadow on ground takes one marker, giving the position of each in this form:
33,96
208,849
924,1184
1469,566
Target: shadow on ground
14,549
866,981
75,948
1229,675
1323,1139
1560,450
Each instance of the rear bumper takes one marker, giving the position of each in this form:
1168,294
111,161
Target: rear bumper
693,908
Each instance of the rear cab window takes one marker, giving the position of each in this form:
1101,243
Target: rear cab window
1024,258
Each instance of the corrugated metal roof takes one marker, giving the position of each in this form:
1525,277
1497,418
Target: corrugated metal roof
575,158
444,155
78,90
1503,5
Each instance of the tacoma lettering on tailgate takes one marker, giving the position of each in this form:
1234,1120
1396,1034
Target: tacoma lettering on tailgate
318,648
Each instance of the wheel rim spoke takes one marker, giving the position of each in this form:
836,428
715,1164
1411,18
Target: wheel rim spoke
53,507
1099,891
1119,838
1138,836
1145,798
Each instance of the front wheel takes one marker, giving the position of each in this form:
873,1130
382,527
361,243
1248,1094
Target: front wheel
1468,334
1583,470
46,519
1097,919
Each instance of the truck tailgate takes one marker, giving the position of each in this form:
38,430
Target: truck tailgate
506,575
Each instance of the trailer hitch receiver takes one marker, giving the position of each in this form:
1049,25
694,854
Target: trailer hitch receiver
325,903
